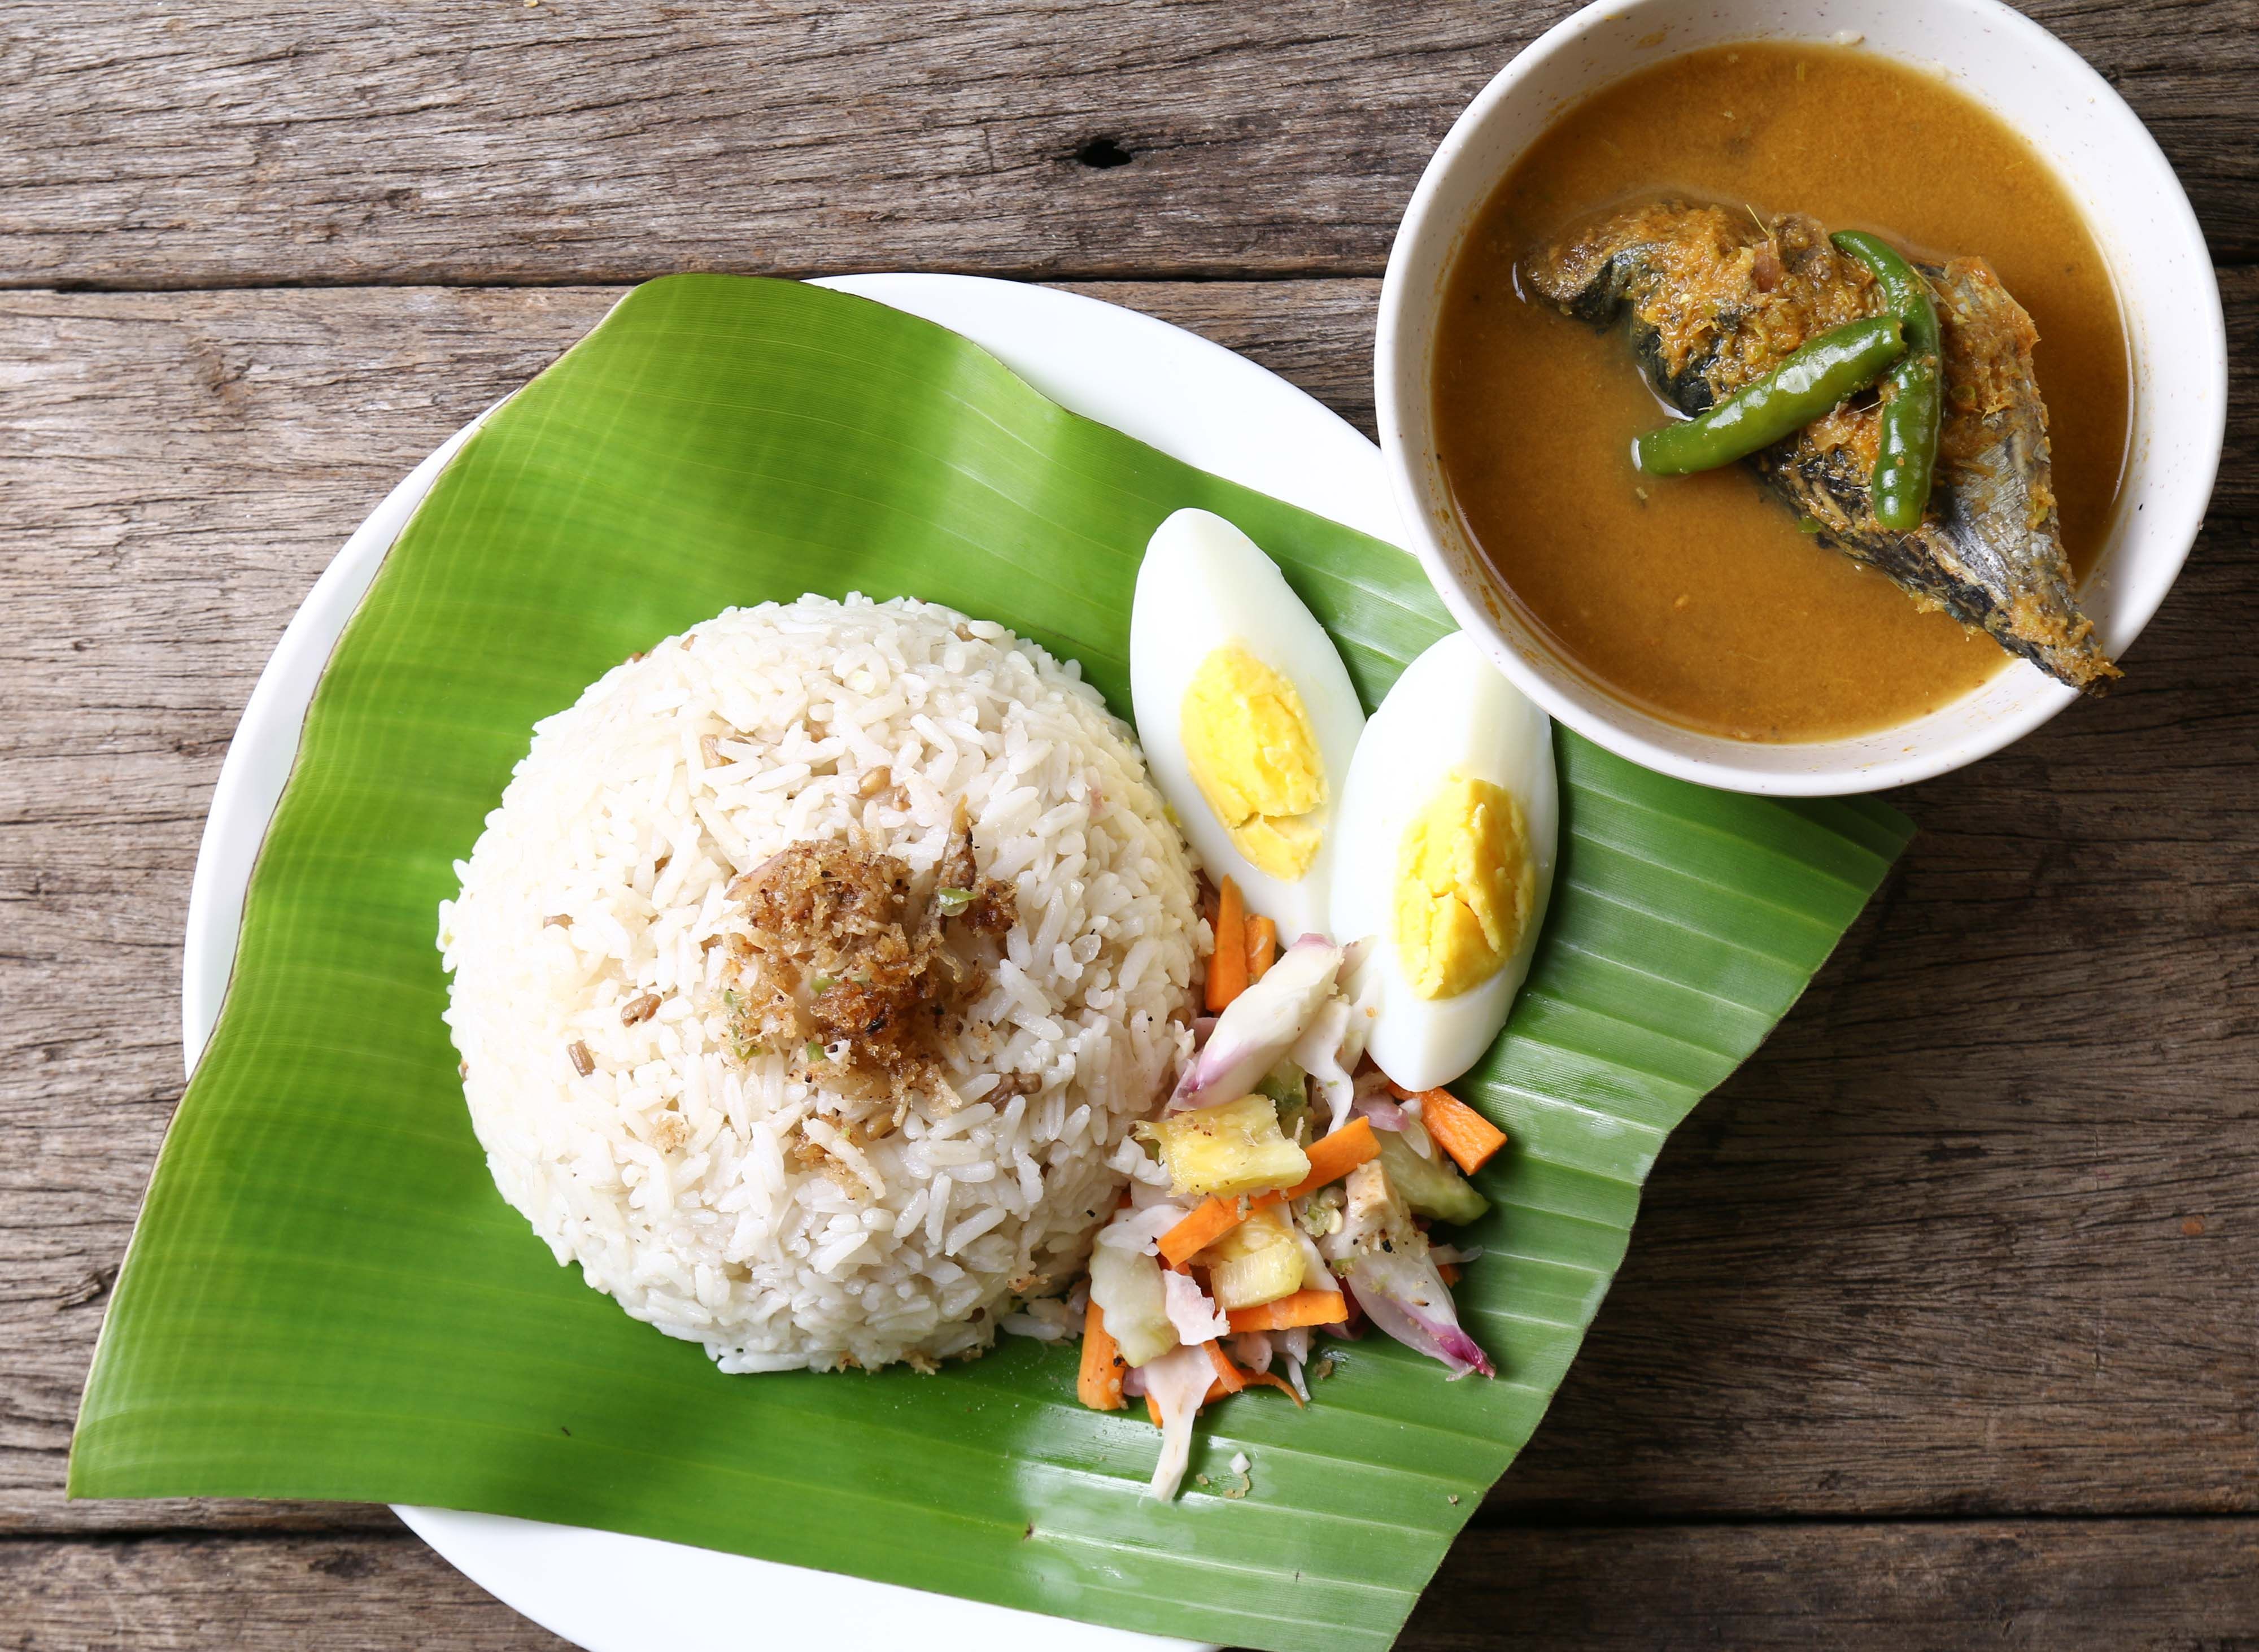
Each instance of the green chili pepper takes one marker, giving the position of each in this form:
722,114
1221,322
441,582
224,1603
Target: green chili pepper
1907,457
1840,362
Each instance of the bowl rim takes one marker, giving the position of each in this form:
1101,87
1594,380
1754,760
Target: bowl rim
1619,728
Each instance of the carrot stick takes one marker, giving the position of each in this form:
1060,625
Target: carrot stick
1272,1379
1448,1272
1335,1156
1229,1379
1227,966
1098,1385
1459,1130
1262,947
1214,1219
1304,1308
1331,1158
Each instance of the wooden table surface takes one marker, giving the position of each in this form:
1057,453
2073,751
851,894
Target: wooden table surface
1939,1328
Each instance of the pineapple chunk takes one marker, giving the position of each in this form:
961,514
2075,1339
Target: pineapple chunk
1235,1148
1259,1261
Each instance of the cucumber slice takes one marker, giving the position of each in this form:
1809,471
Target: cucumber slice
1433,1187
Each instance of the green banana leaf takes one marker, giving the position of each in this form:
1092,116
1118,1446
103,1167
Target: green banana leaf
325,1297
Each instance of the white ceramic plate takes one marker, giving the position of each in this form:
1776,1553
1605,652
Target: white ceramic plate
605,1591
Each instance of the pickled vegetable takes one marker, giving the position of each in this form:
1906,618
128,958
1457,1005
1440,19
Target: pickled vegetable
1237,1147
1126,1285
1259,1261
1288,1086
1433,1187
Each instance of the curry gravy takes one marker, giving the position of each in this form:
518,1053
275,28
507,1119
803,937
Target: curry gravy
1696,598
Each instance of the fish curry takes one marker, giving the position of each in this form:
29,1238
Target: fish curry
1684,214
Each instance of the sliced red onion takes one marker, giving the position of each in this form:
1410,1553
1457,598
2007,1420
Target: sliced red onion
1317,1051
1383,1260
1260,1026
1415,1132
1388,1114
1407,1298
1362,986
1384,1113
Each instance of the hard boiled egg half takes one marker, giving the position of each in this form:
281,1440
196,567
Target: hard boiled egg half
1445,848
1246,713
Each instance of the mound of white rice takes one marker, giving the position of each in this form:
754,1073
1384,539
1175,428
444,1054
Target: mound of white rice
663,1171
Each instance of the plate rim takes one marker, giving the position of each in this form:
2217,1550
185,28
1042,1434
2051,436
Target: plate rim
1194,399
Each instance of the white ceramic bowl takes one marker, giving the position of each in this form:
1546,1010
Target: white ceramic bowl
2112,170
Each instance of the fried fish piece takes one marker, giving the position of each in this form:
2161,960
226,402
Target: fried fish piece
1716,298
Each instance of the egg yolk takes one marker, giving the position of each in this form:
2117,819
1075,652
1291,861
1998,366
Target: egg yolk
1255,759
1463,887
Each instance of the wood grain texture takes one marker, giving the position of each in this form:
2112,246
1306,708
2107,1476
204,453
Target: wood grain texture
341,1594
2169,1585
234,142
1977,1232
2045,1586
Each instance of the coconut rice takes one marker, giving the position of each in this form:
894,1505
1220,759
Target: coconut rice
725,1195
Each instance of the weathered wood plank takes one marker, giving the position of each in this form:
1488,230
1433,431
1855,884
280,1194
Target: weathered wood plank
233,143
343,1593
2049,1587
2041,1586
1934,1250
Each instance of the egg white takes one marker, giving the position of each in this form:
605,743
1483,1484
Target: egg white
1204,584
1450,712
